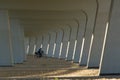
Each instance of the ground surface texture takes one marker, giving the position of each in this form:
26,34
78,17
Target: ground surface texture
51,69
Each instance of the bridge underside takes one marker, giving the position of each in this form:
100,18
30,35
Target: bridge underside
85,32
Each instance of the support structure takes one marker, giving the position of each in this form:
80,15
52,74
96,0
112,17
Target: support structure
88,36
111,49
72,47
38,42
17,43
51,44
82,24
98,33
65,40
58,43
45,43
26,41
6,54
31,45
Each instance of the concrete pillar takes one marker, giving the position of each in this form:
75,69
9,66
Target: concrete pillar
99,32
45,43
16,41
38,42
111,47
72,47
6,55
26,44
66,37
22,41
87,38
80,34
51,44
31,45
58,43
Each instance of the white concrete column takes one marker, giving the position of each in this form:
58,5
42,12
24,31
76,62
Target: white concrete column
58,43
66,37
6,55
26,44
22,42
87,39
31,45
51,44
72,47
99,32
45,43
16,41
38,42
111,49
80,34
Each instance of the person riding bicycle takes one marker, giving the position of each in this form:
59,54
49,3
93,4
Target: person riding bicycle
39,53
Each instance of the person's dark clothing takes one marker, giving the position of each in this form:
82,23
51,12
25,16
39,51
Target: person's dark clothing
39,53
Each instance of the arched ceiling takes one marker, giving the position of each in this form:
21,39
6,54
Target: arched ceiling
46,4
29,11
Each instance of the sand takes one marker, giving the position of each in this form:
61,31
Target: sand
50,68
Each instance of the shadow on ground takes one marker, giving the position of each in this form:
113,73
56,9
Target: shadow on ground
47,68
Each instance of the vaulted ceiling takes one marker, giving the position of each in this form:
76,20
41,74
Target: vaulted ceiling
45,15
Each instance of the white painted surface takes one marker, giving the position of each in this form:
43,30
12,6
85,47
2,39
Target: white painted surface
26,39
111,56
38,42
22,42
66,37
51,44
16,41
72,42
80,34
102,19
45,43
6,55
88,35
31,45
58,43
